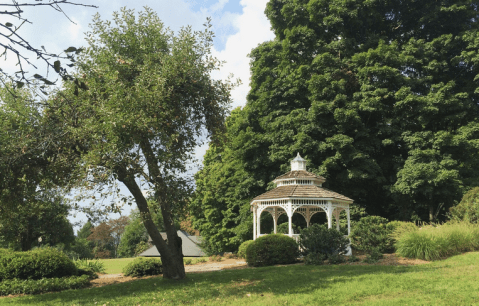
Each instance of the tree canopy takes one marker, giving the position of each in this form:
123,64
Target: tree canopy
149,95
381,97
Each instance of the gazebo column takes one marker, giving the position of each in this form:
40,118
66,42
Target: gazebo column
254,222
275,219
290,219
258,216
349,221
308,216
329,214
336,216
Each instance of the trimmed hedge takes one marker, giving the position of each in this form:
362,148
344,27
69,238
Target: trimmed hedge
35,264
143,267
31,286
318,239
243,247
271,250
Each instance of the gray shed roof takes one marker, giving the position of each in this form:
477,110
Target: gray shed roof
189,244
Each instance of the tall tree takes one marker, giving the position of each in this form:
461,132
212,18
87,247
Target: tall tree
379,96
150,95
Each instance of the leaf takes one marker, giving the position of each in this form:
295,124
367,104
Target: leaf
8,24
20,84
57,66
47,82
37,76
71,49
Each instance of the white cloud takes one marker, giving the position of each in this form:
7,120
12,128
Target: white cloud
253,28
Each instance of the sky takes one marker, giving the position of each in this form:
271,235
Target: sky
239,26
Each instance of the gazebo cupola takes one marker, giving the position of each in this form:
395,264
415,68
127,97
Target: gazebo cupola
299,191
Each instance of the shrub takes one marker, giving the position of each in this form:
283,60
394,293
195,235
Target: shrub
200,260
334,259
320,239
143,267
216,258
353,258
374,256
89,267
283,228
187,261
230,256
243,247
271,250
314,259
468,209
36,264
373,232
30,286
433,243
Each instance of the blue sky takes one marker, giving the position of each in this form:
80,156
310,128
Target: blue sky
239,27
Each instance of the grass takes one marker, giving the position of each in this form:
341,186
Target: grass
434,242
449,282
116,265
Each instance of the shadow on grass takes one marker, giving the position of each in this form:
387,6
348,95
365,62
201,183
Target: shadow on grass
278,281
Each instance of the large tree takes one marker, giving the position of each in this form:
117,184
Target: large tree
150,95
381,97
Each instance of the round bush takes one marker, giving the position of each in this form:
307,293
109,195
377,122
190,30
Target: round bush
271,250
36,264
318,239
373,233
243,247
143,267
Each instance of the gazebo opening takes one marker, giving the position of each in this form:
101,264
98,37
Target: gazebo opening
300,199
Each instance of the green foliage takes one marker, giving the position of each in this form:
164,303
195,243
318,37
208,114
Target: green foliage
141,247
243,247
373,232
134,237
314,259
318,239
283,228
468,209
374,255
35,264
388,117
437,242
91,265
85,231
143,267
187,261
80,249
271,250
334,259
43,285
216,258
400,228
353,258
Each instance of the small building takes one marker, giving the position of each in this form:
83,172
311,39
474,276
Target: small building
189,243
301,192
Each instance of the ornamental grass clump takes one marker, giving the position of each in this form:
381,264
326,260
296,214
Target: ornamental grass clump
271,250
435,242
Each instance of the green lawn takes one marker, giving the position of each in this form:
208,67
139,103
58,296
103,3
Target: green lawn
450,282
116,265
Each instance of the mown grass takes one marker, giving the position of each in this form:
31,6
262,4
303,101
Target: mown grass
449,282
116,265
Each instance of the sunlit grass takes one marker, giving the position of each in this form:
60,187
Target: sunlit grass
116,265
449,282
434,242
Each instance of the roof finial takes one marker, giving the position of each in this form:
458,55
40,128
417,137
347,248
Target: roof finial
298,163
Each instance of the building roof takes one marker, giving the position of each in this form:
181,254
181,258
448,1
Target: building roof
299,174
190,246
301,191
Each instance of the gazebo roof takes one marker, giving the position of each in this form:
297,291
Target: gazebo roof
301,191
299,174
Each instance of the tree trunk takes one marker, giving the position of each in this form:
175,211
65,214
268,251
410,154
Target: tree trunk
171,255
431,213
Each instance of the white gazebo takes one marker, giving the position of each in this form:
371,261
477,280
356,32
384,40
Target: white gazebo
299,191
